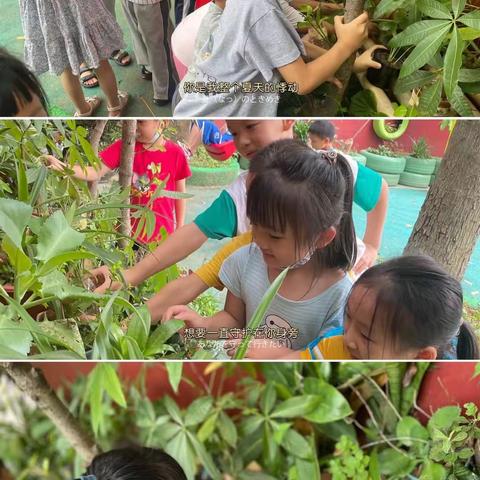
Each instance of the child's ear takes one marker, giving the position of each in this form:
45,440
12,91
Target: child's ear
288,124
326,237
427,353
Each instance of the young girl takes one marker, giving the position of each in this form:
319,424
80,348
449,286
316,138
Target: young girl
60,36
134,464
156,160
405,308
299,204
255,44
21,94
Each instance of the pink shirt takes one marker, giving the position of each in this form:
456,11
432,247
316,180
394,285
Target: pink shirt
151,168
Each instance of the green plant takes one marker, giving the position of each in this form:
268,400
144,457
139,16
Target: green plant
384,150
201,158
420,149
350,461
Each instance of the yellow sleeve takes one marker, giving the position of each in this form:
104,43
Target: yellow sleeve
333,348
209,272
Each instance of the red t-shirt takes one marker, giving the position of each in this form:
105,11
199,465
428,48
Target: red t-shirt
149,167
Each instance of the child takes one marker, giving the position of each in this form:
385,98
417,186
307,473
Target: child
60,36
405,308
21,94
134,464
371,193
156,160
151,30
255,44
299,204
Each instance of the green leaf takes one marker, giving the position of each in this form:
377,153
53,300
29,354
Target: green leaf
430,98
395,464
424,51
433,471
332,406
227,428
296,445
56,236
409,429
468,34
469,75
172,409
453,62
307,469
385,7
458,7
182,451
198,410
14,218
174,370
434,9
139,326
14,333
64,332
204,457
56,284
363,104
417,79
296,407
259,314
161,334
268,398
471,19
374,466
22,181
18,260
444,418
111,383
460,103
208,427
417,32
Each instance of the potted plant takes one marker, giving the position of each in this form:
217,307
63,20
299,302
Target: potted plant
419,166
384,160
207,172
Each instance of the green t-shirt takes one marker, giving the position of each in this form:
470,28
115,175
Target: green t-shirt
367,189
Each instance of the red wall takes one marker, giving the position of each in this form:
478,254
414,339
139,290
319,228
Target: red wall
361,131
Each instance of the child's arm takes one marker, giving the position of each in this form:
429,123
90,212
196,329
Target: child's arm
373,233
180,204
89,174
309,76
181,291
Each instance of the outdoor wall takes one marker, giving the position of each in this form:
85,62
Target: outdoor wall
364,136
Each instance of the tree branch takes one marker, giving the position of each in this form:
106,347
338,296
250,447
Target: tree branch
32,382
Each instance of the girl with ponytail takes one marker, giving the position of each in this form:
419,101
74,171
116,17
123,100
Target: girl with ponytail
299,204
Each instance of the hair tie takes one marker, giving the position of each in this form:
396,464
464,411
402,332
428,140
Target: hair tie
329,155
86,477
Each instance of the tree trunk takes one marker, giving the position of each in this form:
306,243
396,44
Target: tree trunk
126,171
449,222
331,105
94,138
32,382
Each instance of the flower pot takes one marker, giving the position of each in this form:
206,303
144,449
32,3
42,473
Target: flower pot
384,164
392,179
422,166
438,162
384,77
415,180
214,177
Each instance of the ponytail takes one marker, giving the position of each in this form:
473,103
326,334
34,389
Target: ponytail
467,347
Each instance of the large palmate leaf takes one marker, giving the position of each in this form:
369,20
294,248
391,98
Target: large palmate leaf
430,98
14,217
417,32
460,103
453,62
471,19
57,236
434,9
386,7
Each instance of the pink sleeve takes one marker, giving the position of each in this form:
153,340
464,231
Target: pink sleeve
111,155
183,169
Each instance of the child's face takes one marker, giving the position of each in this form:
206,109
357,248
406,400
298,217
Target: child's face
319,143
251,136
362,340
31,109
146,130
278,249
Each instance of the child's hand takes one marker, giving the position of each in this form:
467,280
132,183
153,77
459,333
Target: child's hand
367,260
365,61
54,163
182,312
102,278
352,35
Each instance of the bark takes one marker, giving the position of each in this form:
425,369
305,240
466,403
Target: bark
333,102
449,223
126,171
32,382
94,138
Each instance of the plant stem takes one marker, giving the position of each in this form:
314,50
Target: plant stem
40,301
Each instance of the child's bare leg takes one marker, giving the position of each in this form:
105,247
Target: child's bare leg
108,82
73,88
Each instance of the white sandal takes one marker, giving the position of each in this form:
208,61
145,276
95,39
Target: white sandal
122,103
94,103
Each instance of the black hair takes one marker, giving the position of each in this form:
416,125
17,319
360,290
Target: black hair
136,463
322,129
18,85
419,304
310,191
